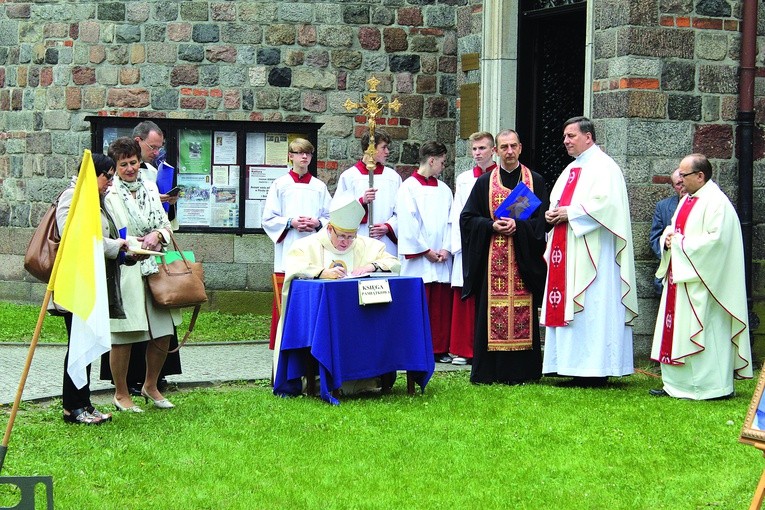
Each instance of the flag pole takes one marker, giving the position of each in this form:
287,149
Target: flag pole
23,381
38,327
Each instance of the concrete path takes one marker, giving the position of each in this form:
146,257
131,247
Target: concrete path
203,364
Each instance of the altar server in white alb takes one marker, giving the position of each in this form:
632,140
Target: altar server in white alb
354,182
701,337
423,207
590,298
463,312
297,205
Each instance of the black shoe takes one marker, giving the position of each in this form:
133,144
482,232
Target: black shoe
585,382
135,388
443,358
658,392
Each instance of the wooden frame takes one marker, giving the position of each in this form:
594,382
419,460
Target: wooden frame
753,431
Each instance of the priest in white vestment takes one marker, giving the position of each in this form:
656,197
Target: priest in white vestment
590,298
335,252
701,336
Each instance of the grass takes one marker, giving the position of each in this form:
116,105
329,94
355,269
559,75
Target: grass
536,446
17,324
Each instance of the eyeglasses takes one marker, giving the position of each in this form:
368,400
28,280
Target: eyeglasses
152,148
681,174
309,154
344,237
109,176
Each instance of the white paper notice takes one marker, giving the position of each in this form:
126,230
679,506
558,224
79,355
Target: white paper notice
224,148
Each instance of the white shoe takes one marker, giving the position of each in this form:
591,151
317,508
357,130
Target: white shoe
459,360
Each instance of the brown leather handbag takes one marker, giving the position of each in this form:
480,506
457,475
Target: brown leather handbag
179,284
42,248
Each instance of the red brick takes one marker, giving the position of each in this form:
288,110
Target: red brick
667,21
639,83
730,25
683,22
216,93
707,23
200,92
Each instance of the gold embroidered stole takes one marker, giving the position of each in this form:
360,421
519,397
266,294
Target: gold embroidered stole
510,307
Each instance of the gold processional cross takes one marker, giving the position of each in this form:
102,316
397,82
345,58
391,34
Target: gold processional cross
372,106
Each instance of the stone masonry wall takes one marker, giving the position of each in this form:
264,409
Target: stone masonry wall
294,61
665,84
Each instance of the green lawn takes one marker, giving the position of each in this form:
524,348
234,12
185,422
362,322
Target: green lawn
457,446
17,324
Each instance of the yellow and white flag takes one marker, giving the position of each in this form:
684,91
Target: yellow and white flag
78,279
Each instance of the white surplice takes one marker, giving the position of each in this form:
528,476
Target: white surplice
289,199
355,181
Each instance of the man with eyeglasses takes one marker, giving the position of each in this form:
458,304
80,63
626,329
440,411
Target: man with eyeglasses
662,216
296,206
701,338
336,252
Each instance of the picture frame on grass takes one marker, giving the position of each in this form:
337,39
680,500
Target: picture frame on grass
753,431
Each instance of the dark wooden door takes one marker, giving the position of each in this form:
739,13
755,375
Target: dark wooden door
550,80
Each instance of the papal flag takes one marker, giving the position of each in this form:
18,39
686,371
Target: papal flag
78,279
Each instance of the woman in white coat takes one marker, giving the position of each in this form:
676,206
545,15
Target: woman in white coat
135,204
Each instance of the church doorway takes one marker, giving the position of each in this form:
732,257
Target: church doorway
551,65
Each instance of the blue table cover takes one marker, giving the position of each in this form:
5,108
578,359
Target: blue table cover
351,341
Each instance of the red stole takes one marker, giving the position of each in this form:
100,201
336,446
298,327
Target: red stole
665,351
510,306
556,271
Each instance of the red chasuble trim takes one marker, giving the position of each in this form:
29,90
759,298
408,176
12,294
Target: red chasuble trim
668,332
510,307
555,293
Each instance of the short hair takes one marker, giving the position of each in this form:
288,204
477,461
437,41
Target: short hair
124,147
506,132
143,129
480,135
585,125
301,145
700,163
431,149
380,136
102,163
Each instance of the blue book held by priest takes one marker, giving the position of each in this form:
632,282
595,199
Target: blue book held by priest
519,204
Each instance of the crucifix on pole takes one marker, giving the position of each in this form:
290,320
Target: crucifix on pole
373,104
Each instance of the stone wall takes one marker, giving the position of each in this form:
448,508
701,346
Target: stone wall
61,61
665,84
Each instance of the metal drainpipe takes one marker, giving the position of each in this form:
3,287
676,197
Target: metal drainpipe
745,139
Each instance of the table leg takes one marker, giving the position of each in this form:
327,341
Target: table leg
311,367
409,382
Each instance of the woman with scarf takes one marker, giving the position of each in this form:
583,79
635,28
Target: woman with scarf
135,204
76,401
